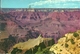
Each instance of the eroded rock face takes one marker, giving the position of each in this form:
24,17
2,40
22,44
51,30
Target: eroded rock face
70,45
7,43
52,24
23,25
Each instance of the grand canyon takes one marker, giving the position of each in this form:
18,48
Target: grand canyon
20,25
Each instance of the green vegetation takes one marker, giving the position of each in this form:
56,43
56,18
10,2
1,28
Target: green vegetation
16,51
66,45
75,34
2,26
38,50
72,41
60,50
44,51
6,43
42,48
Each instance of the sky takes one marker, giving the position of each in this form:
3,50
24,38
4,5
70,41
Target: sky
40,3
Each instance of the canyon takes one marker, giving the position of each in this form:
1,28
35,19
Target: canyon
24,24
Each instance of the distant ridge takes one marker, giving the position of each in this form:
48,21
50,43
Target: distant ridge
36,9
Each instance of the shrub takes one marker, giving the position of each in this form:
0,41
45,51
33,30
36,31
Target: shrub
75,34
